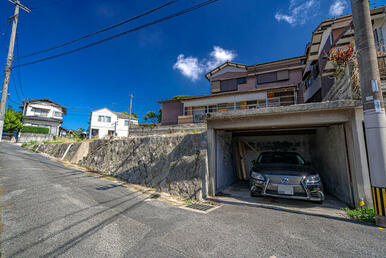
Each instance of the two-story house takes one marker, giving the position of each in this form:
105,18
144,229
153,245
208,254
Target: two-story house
43,113
104,122
237,86
338,33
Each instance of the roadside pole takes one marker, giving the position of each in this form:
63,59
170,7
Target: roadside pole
373,106
8,66
131,103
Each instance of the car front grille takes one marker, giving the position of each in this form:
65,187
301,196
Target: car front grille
291,180
294,181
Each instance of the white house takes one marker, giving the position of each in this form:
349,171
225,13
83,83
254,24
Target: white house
104,122
43,113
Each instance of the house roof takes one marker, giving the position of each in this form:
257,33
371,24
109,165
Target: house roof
281,62
124,116
226,64
49,101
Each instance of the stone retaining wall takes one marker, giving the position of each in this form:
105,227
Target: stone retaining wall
174,164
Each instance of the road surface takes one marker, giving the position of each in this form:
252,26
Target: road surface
50,210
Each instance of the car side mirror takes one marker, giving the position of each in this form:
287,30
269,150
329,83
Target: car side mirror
254,162
307,163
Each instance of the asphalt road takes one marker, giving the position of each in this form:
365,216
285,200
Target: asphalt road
50,210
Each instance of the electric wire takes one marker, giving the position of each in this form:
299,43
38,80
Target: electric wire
15,87
100,31
188,10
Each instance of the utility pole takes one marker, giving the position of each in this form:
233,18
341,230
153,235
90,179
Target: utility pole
8,66
373,106
131,103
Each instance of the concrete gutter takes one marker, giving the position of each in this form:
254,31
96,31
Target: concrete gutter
298,108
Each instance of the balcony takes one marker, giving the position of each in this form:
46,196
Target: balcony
285,97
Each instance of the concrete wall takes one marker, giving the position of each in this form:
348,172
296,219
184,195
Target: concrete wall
226,173
330,159
27,137
173,164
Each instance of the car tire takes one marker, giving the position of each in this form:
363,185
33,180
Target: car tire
254,194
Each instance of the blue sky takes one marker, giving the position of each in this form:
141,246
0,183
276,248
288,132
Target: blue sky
155,63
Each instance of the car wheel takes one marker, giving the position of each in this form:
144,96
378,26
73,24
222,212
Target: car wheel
254,194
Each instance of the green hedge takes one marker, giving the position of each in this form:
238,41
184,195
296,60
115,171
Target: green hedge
34,129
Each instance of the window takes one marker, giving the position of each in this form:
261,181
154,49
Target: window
40,112
57,114
126,122
242,80
94,132
228,85
104,119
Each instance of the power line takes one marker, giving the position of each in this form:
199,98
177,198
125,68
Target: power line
195,7
100,31
15,86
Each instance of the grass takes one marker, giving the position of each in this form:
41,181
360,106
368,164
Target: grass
30,143
362,214
111,178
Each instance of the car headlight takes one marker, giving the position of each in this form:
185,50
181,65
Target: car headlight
257,176
312,180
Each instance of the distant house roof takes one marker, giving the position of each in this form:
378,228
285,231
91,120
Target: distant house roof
124,116
49,101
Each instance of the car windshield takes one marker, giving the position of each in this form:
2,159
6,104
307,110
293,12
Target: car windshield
280,157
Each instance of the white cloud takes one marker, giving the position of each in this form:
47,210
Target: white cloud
337,8
192,68
299,11
189,66
219,56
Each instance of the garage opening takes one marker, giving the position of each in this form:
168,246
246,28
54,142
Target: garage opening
324,147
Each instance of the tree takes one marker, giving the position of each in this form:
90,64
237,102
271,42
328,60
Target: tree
153,117
12,120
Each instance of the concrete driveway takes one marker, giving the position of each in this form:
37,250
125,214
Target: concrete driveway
239,194
50,210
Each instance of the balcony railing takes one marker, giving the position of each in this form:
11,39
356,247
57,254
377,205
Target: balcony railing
195,114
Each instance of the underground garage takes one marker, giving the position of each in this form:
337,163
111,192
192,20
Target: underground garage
327,135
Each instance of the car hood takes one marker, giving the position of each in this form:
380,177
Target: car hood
286,169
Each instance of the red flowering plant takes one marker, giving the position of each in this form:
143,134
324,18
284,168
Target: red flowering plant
340,58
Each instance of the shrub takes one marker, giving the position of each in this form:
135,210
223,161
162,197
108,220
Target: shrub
34,129
183,96
363,214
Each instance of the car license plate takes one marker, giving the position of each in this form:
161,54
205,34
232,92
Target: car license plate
285,189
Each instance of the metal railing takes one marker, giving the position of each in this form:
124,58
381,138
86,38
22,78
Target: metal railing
285,100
